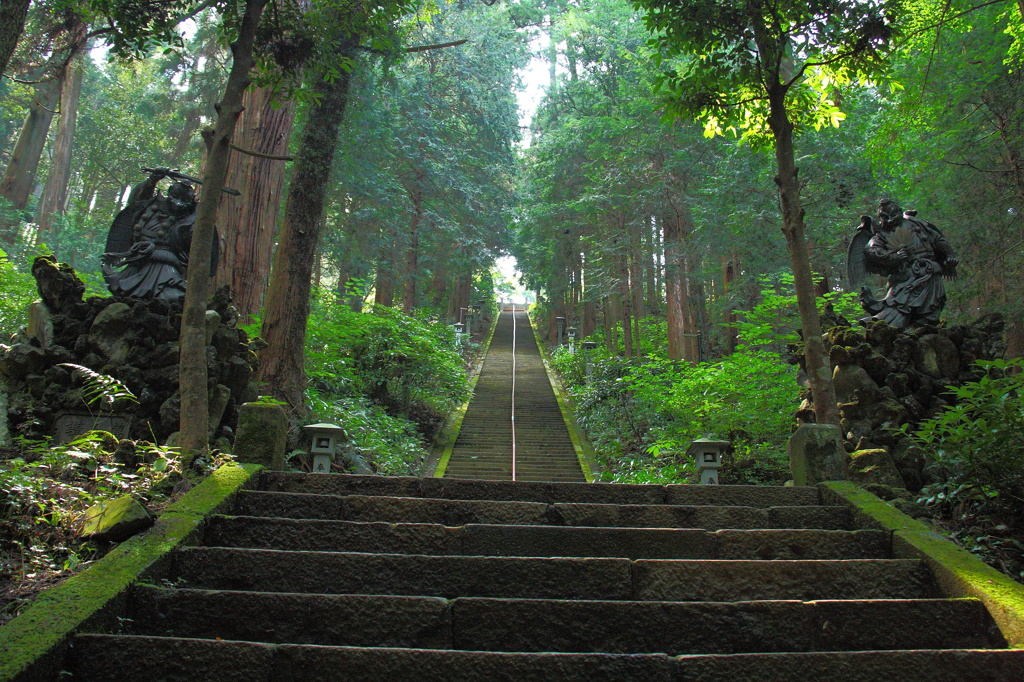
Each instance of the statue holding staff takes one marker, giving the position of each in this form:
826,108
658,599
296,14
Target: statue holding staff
915,258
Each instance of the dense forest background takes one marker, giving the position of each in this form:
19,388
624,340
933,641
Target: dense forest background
384,166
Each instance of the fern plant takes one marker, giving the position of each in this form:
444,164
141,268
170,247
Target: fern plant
100,388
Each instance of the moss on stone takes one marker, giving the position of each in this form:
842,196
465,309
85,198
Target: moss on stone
961,574
958,572
32,645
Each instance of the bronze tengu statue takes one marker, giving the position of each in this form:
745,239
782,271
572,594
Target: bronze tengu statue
150,239
914,256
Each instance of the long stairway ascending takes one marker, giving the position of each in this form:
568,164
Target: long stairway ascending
513,428
319,576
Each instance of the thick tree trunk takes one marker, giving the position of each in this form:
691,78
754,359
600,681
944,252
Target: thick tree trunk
675,288
12,23
19,177
192,372
248,224
817,363
53,201
282,366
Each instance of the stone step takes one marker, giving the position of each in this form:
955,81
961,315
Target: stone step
542,541
119,657
460,512
551,578
445,488
476,624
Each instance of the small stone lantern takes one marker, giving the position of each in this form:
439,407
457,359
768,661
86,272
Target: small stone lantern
708,456
588,367
324,442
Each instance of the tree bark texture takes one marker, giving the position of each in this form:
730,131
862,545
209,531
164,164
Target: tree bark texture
412,253
282,366
819,370
248,223
192,370
12,23
19,177
624,301
675,288
53,201
730,266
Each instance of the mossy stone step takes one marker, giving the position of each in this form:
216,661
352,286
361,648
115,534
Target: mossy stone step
460,512
551,578
480,624
444,488
542,541
113,657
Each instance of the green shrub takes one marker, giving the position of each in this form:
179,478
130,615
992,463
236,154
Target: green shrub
401,363
977,443
19,291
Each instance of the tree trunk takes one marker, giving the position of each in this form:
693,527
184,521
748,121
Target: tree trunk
12,23
817,364
192,374
675,288
248,223
19,177
732,334
624,301
53,201
611,341
287,302
412,254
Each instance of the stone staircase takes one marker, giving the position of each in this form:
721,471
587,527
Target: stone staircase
372,578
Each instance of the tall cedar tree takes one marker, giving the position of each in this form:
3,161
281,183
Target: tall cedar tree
756,63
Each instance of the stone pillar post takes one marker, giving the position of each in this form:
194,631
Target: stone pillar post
816,454
262,436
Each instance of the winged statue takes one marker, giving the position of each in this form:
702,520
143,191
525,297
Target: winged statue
915,258
149,240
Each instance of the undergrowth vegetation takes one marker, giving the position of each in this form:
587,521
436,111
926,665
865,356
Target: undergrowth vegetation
641,414
976,446
387,378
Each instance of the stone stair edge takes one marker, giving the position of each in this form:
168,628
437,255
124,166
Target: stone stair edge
448,500
111,656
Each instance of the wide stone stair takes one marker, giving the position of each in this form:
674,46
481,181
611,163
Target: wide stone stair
373,578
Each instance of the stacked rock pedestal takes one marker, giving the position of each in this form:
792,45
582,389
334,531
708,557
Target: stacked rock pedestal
134,341
886,378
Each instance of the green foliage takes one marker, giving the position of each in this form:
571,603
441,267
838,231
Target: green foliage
395,360
977,443
19,290
101,388
387,378
391,443
642,414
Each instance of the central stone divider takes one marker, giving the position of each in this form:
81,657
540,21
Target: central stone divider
372,578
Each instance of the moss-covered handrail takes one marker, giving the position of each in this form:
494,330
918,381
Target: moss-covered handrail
958,572
584,450
33,644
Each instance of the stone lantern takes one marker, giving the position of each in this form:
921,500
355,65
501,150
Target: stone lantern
588,367
560,323
708,457
324,444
